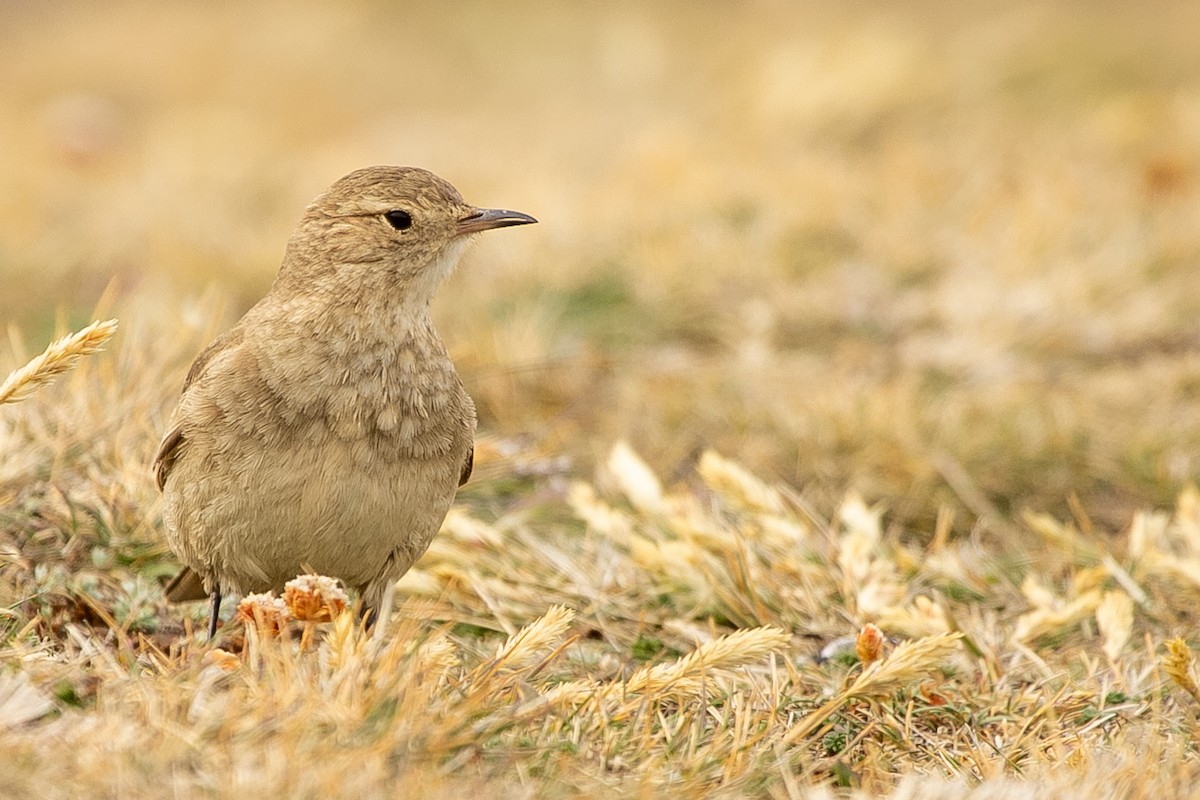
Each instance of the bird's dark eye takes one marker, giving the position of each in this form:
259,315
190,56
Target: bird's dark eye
400,220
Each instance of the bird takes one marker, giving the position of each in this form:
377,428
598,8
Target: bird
327,430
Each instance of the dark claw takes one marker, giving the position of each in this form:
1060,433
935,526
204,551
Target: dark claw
214,612
369,614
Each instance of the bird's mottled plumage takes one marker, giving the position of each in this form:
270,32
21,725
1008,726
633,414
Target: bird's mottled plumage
328,430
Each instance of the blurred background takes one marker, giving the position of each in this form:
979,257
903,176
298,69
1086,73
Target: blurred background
942,253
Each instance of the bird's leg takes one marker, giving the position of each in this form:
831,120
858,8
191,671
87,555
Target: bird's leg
369,614
375,603
214,611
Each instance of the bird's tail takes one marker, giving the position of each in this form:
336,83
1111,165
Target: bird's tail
186,586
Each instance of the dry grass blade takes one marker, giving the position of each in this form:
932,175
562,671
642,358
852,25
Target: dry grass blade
736,483
683,677
637,481
525,645
573,692
1177,663
21,702
59,357
725,652
1114,617
907,664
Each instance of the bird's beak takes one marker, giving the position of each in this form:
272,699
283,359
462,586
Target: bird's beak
484,219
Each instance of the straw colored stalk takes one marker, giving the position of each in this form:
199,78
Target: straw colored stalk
1177,663
726,652
736,483
684,676
59,357
524,646
908,663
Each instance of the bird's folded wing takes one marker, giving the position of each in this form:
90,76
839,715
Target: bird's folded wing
173,442
468,465
169,450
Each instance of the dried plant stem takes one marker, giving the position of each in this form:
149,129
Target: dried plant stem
908,663
1177,663
59,357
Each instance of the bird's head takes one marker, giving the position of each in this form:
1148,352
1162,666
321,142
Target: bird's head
402,223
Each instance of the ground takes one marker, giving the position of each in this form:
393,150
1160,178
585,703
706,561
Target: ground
838,316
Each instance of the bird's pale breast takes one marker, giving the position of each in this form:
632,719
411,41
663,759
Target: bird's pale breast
349,472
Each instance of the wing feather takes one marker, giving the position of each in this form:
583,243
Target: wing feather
174,442
468,465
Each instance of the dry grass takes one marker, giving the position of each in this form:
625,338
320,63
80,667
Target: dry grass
58,358
849,332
